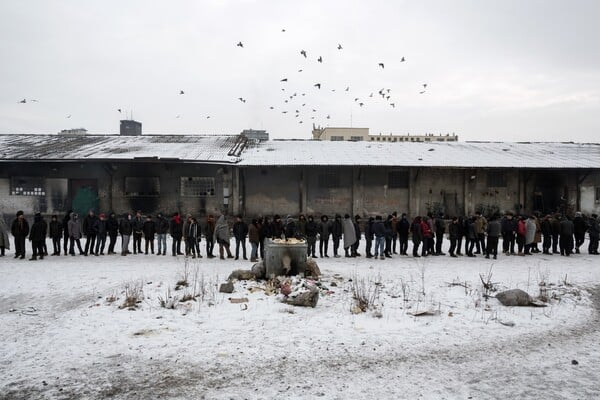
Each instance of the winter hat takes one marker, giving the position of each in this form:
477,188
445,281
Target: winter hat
357,217
102,215
19,213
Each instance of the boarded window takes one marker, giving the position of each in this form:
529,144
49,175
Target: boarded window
27,186
337,138
356,138
142,186
398,179
496,179
197,186
329,179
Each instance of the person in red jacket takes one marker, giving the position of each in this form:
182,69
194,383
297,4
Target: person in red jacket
427,237
521,233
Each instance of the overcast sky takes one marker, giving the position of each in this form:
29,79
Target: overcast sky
495,70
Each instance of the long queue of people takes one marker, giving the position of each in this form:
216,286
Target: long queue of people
520,234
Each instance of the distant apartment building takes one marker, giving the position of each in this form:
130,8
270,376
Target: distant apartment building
362,134
77,131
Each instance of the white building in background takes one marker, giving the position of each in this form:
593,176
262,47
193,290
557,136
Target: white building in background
362,134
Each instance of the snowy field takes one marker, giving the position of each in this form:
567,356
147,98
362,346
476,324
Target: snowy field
64,335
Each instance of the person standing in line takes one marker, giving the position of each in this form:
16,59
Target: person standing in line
403,228
555,233
176,229
369,237
546,227
254,239
37,236
101,231
301,231
357,233
472,236
417,235
125,228
387,224
56,233
209,234
65,228
75,234
337,230
427,237
20,230
580,227
149,230
240,232
530,234
440,230
480,229
521,234
191,238
4,240
312,230
494,228
137,227
379,233
324,232
594,233
509,229
184,238
162,228
112,229
394,231
222,237
89,232
349,235
567,230
453,231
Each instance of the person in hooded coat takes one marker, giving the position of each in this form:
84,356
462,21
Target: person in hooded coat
403,228
176,229
222,237
594,232
337,230
88,228
349,234
379,233
125,228
417,235
65,227
369,237
74,234
324,232
101,232
56,233
312,230
112,228
580,227
37,236
356,224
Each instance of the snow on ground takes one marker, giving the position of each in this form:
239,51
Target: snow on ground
63,338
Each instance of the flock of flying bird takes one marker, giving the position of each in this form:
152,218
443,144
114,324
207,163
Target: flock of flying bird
289,99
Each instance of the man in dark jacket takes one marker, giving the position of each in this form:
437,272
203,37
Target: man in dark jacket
65,228
162,228
494,228
379,233
88,230
417,235
369,237
56,233
357,233
137,226
176,228
324,232
240,233
20,230
125,230
403,227
594,232
337,229
579,227
312,229
112,229
37,236
264,231
555,233
388,236
100,229
149,229
254,238
509,229
453,232
546,226
440,229
567,228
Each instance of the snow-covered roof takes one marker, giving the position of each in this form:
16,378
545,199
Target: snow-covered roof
222,149
214,149
424,154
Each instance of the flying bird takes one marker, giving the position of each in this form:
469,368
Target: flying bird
283,80
425,85
381,65
284,112
208,116
242,99
317,85
299,70
178,116
361,104
402,59
69,116
34,100
303,52
283,30
356,99
347,88
320,59
371,95
118,109
181,92
421,92
23,101
328,117
393,105
271,107
239,44
339,46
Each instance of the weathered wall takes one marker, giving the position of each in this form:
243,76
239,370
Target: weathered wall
378,198
272,190
328,201
588,201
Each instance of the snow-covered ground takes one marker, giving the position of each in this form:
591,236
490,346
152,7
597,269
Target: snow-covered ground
63,335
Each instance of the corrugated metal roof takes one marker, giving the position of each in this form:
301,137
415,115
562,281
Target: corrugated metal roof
215,149
424,154
113,147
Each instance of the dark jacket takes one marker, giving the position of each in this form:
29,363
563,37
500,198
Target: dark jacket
20,229
88,225
509,226
100,227
161,225
378,229
125,227
240,230
417,232
494,228
325,229
440,226
149,229
253,233
137,225
403,227
369,235
336,228
312,228
112,225
454,230
176,227
38,229
567,228
56,229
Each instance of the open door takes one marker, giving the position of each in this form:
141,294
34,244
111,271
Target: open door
84,195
